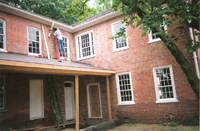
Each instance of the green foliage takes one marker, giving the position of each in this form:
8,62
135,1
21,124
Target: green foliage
49,8
151,14
80,9
174,123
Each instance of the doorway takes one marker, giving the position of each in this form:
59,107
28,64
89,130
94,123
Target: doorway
69,100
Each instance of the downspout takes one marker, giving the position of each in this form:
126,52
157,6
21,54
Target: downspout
195,54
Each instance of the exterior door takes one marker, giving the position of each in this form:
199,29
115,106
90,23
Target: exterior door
69,100
36,99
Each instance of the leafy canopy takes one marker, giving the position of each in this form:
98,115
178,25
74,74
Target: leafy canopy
151,14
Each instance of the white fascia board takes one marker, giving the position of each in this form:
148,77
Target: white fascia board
47,21
32,16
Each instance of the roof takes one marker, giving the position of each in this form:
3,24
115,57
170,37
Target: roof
25,63
96,19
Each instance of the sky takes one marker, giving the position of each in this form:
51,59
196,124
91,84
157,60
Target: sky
91,2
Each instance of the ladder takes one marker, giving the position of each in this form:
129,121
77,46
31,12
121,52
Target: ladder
54,102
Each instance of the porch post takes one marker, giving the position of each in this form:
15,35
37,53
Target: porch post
108,97
77,101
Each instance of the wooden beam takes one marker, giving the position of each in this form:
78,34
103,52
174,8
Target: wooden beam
45,68
108,97
45,41
77,101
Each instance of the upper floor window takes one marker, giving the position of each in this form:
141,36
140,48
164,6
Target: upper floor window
66,47
2,92
164,84
153,37
2,35
121,42
34,46
124,88
85,45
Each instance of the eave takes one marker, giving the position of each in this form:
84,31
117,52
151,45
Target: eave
47,21
50,69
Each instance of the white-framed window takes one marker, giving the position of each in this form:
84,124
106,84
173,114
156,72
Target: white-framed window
66,47
164,84
124,88
85,45
119,43
152,35
34,44
94,101
2,35
2,92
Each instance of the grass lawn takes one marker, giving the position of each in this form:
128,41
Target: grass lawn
153,127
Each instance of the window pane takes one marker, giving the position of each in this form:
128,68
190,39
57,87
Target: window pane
34,38
125,87
164,83
120,42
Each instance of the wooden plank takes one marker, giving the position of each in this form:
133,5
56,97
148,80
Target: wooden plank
45,41
44,68
95,108
77,101
108,97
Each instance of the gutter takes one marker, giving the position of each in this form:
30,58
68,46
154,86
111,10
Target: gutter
195,54
47,21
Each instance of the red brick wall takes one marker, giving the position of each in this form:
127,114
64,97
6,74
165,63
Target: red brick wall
17,35
16,113
139,59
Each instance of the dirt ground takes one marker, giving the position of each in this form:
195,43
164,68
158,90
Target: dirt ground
153,127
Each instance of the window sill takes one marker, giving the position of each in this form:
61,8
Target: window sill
3,110
3,50
128,103
85,58
167,101
153,41
115,50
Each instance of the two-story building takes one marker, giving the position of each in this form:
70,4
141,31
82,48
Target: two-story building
131,79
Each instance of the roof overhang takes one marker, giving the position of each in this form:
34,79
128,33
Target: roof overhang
50,69
47,21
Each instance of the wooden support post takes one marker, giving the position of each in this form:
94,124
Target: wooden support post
77,101
108,97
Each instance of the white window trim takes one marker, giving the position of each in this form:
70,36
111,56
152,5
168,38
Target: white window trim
151,40
114,42
4,34
88,100
118,89
77,48
40,44
167,100
68,50
3,94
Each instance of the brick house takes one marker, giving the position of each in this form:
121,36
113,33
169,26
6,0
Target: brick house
130,79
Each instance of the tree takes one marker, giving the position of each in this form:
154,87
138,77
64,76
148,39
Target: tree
80,9
50,8
151,14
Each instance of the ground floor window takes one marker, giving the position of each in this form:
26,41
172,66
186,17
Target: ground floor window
124,88
164,84
94,101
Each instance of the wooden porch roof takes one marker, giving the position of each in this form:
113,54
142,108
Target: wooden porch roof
32,64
